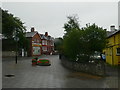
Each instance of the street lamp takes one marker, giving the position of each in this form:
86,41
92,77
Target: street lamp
16,39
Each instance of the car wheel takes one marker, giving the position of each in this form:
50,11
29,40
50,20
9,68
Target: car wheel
49,64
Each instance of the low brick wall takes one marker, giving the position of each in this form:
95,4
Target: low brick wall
92,68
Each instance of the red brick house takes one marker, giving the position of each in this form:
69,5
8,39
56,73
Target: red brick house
35,43
47,43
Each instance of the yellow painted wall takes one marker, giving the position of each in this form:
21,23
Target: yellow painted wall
111,52
109,55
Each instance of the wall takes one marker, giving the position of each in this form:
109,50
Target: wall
111,56
8,53
36,36
92,68
36,39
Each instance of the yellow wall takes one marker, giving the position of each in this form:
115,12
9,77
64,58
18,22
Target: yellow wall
111,52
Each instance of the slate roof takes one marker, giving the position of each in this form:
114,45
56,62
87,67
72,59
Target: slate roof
111,33
43,36
46,37
30,34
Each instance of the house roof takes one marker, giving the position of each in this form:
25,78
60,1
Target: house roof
30,34
111,33
43,36
49,37
46,37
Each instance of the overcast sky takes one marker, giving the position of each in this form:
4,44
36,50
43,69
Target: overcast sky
51,16
119,14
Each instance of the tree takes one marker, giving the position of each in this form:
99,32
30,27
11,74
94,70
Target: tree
80,44
71,25
71,41
95,38
13,27
58,44
72,44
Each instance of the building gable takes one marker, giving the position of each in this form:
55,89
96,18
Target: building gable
36,38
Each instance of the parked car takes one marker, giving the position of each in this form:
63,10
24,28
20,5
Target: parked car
43,61
34,60
96,56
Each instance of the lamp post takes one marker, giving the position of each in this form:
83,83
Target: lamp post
16,39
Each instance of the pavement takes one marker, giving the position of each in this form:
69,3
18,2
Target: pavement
55,76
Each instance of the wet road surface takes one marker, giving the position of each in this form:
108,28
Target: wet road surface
54,76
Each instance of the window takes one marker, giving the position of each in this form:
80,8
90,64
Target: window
118,51
38,41
44,48
35,40
44,42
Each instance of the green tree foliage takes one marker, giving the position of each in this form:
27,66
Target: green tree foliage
72,24
94,38
71,41
23,43
13,27
72,44
80,44
58,44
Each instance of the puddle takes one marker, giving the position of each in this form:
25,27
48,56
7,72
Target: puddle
9,75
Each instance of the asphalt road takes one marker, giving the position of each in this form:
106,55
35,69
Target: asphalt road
54,76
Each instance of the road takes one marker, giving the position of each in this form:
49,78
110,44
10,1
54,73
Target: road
54,76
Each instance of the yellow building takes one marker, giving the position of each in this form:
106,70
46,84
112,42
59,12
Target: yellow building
113,49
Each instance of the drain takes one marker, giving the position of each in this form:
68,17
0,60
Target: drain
9,75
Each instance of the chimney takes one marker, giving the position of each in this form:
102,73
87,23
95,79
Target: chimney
112,28
32,29
46,33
